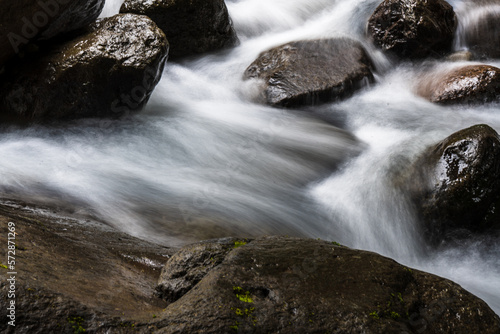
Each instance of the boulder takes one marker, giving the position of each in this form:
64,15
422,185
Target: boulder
189,265
468,84
482,31
291,285
76,275
26,21
413,28
311,71
456,184
192,26
108,71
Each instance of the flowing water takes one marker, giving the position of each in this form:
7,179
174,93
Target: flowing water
205,160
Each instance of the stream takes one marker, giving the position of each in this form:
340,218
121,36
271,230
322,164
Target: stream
204,160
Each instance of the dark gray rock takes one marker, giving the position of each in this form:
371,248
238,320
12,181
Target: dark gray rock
413,28
192,26
189,265
311,71
290,285
470,84
26,21
108,71
456,184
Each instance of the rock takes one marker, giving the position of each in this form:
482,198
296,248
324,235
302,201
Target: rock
482,31
456,183
77,274
26,21
311,71
460,56
413,28
468,84
290,285
192,26
189,265
108,71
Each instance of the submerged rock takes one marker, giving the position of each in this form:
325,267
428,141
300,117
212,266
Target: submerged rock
108,71
482,31
413,28
290,285
311,71
26,21
456,183
467,84
191,26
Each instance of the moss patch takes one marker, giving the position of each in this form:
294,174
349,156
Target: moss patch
76,324
239,243
242,295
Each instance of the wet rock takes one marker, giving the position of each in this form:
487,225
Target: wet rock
189,265
482,31
413,29
460,56
108,71
191,26
26,21
290,285
468,84
311,71
456,184
75,275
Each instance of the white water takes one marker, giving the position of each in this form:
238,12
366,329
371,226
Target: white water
203,160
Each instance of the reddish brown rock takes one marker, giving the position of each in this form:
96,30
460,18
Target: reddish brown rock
468,84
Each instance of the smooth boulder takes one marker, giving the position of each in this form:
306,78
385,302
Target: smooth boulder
456,184
309,72
469,84
291,285
192,26
482,31
26,21
413,29
109,71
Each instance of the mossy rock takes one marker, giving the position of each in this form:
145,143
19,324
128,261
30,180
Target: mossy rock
291,285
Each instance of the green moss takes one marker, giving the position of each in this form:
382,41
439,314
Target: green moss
392,308
76,323
407,269
239,243
3,266
242,295
235,326
395,315
337,244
